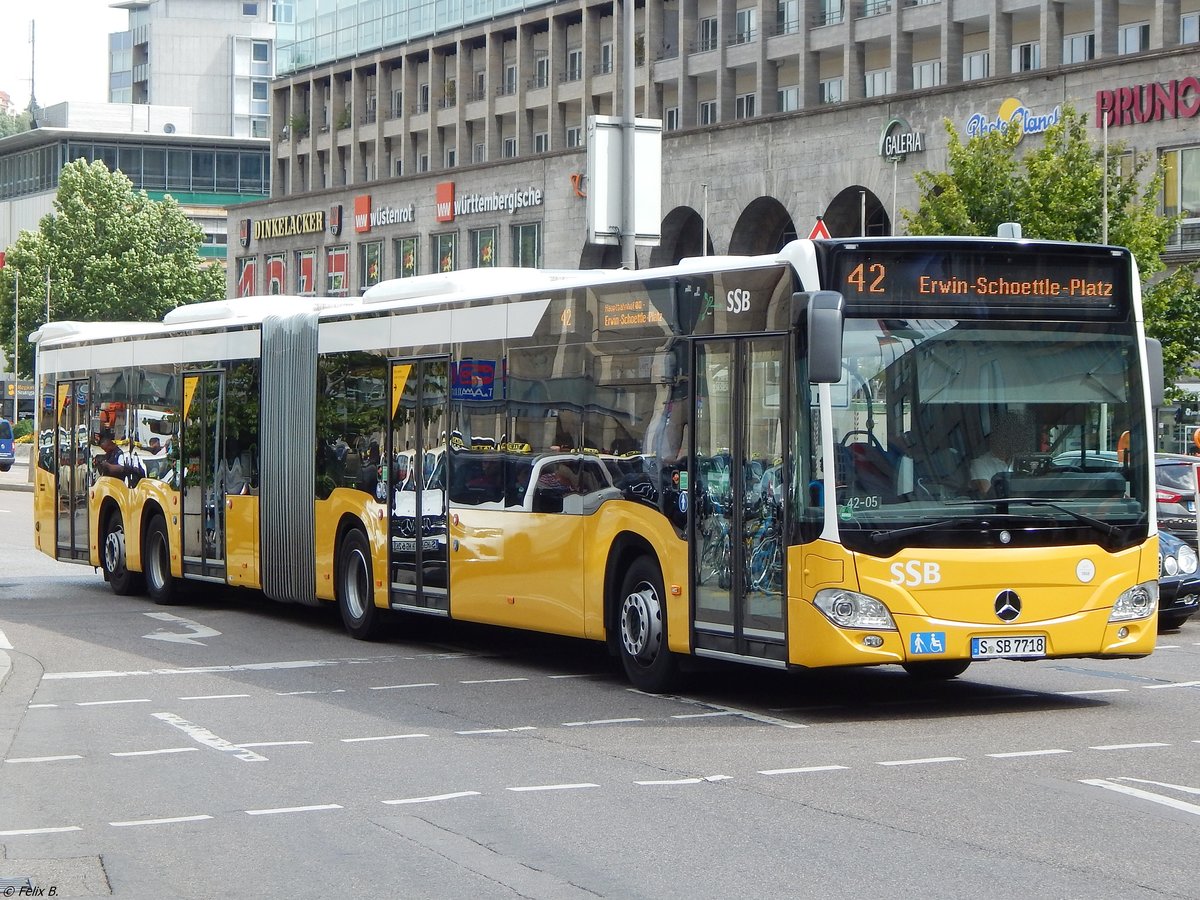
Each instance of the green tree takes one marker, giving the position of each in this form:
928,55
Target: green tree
1056,191
112,253
14,123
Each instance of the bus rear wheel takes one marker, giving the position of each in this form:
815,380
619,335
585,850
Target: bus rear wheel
355,587
113,559
937,669
156,563
642,629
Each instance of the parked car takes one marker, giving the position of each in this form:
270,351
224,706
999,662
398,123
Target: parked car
1178,584
7,454
1175,491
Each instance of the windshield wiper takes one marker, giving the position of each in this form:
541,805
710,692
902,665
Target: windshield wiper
1001,505
878,537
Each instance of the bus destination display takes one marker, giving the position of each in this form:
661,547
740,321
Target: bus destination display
1090,279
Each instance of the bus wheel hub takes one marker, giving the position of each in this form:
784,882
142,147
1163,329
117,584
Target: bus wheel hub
641,624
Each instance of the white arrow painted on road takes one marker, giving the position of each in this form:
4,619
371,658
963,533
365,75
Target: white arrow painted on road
197,630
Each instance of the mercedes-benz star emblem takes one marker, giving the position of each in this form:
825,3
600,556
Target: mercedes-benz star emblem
1008,606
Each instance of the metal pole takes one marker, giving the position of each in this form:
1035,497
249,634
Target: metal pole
862,229
1104,205
47,295
16,332
895,178
704,223
628,260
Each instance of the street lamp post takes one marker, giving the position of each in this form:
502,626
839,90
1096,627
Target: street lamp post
16,332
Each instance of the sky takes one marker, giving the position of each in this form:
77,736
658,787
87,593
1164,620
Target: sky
71,50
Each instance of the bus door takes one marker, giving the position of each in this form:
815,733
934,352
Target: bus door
201,498
73,468
737,498
418,571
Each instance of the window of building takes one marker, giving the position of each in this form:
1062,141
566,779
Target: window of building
976,65
1181,195
541,142
407,252
743,25
399,167
671,118
260,58
260,126
527,245
927,74
510,147
445,252
707,112
480,84
1133,38
708,34
606,57
423,162
788,99
831,12
370,264
1189,28
574,64
451,157
249,8
1079,48
877,83
397,108
483,247
510,79
1026,57
542,69
743,106
260,92
337,271
423,98
787,17
831,90
574,136
479,152
283,12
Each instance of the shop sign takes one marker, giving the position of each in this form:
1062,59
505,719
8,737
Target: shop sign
898,139
449,205
1150,102
1013,113
287,226
366,217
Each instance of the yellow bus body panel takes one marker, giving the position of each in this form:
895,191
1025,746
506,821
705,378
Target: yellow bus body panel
956,596
241,541
45,510
347,505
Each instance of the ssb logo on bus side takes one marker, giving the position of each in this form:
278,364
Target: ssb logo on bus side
914,573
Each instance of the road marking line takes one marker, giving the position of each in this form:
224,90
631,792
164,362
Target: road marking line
157,752
301,693
206,737
434,799
729,710
396,687
4,644
1127,746
1182,805
498,730
1097,691
200,670
919,762
37,759
580,675
291,809
1175,787
602,722
40,831
674,781
1157,687
215,697
801,770
1026,753
382,737
171,821
42,706
276,744
493,680
112,702
707,715
552,787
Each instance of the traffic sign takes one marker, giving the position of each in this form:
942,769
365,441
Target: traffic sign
819,231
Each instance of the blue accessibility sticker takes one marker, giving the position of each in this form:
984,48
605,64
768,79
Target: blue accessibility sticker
927,642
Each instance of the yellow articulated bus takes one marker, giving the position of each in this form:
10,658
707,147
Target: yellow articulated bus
850,452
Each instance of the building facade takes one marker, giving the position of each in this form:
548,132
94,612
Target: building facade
215,57
405,143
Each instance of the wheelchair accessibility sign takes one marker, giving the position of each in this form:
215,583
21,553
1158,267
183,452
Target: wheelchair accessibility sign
927,642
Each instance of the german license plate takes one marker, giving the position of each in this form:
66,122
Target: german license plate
409,545
1027,646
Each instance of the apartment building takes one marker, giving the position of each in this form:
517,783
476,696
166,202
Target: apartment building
415,138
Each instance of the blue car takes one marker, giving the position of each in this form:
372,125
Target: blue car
7,457
1178,584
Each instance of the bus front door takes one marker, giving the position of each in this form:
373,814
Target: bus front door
739,402
72,469
201,499
417,442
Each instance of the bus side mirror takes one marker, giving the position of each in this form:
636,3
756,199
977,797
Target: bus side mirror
825,311
1154,371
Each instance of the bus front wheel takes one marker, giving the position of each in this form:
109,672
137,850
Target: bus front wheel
642,627
156,563
355,587
937,669
113,559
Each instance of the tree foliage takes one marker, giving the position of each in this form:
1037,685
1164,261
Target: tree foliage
1056,192
112,254
14,123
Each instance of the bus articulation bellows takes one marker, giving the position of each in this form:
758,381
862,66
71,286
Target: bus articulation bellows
851,452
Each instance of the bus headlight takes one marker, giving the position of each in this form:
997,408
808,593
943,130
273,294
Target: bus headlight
848,609
1139,602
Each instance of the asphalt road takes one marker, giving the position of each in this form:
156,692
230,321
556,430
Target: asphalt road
231,746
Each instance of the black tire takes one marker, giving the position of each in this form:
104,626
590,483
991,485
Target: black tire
937,669
355,587
1171,623
156,564
642,629
113,559
4,467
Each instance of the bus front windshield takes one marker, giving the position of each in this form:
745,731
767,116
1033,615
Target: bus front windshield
965,433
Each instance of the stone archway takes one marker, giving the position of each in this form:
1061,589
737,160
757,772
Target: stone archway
682,230
845,214
600,256
764,226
